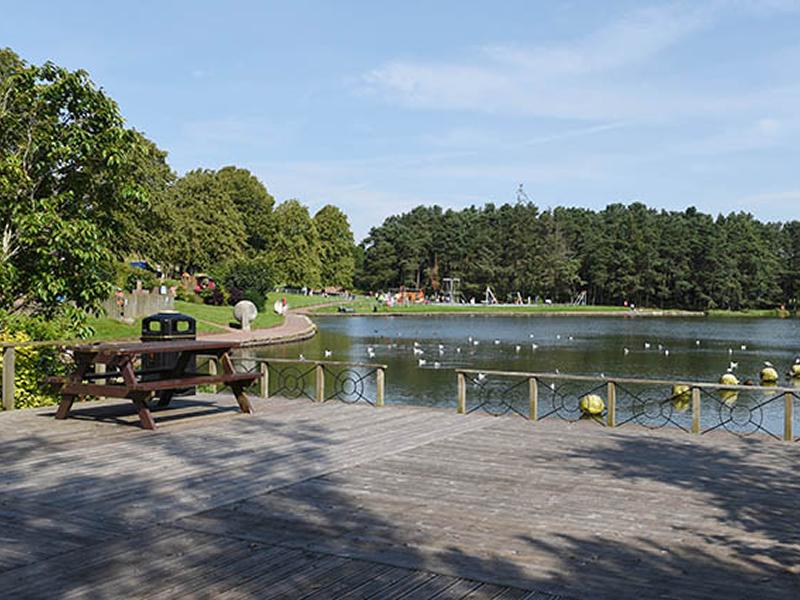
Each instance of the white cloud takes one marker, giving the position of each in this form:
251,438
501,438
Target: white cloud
600,76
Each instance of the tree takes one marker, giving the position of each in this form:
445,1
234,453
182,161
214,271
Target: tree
337,260
66,184
296,247
145,230
250,278
253,202
205,227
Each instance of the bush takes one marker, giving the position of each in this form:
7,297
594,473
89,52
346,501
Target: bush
34,365
235,295
255,298
125,277
252,278
214,297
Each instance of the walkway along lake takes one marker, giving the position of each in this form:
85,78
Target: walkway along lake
688,349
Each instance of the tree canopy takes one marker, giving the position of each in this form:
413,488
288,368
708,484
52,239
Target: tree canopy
337,260
296,246
205,227
252,201
67,186
623,253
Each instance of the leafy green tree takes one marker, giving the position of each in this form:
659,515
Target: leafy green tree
145,229
206,228
337,261
253,202
66,186
296,246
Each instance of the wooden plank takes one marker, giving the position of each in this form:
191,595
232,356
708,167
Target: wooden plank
136,348
481,502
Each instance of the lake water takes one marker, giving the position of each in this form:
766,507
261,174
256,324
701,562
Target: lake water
573,345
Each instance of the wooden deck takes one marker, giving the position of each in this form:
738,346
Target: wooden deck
306,500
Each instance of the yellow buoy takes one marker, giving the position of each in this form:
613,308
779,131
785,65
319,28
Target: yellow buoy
729,379
729,397
769,375
592,405
681,396
795,371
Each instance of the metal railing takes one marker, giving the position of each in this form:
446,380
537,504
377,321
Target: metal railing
318,380
695,407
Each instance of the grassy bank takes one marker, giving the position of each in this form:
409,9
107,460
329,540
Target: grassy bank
210,319
369,306
767,313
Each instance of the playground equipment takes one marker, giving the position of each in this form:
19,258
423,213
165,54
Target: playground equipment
451,292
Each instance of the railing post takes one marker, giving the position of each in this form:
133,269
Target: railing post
379,384
462,394
263,382
100,368
533,397
788,410
320,383
212,370
611,415
8,377
696,410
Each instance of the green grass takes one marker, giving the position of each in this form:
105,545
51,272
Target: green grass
210,319
297,300
366,305
751,313
223,316
111,329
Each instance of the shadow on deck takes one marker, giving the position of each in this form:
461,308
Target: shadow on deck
304,500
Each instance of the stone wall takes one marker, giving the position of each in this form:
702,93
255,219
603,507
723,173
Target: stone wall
131,306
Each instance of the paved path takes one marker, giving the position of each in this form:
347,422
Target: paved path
309,500
295,327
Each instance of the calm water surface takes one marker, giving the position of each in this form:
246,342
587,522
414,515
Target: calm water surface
574,345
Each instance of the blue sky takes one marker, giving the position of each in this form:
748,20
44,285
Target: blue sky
380,106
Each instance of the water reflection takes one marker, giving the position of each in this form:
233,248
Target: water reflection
421,352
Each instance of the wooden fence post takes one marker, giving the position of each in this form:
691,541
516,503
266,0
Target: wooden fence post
100,368
263,382
462,394
212,370
788,410
8,377
379,383
320,383
611,416
696,410
533,397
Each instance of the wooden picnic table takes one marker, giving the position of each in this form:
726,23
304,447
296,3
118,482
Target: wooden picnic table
121,379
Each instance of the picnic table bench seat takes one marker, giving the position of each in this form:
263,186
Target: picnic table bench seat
140,390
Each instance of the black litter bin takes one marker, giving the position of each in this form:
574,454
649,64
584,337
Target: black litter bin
166,326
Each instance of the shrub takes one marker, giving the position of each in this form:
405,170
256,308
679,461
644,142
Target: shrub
214,297
34,364
148,279
252,278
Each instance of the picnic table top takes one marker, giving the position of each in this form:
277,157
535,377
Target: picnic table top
156,347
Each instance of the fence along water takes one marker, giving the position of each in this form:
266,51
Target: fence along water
695,407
